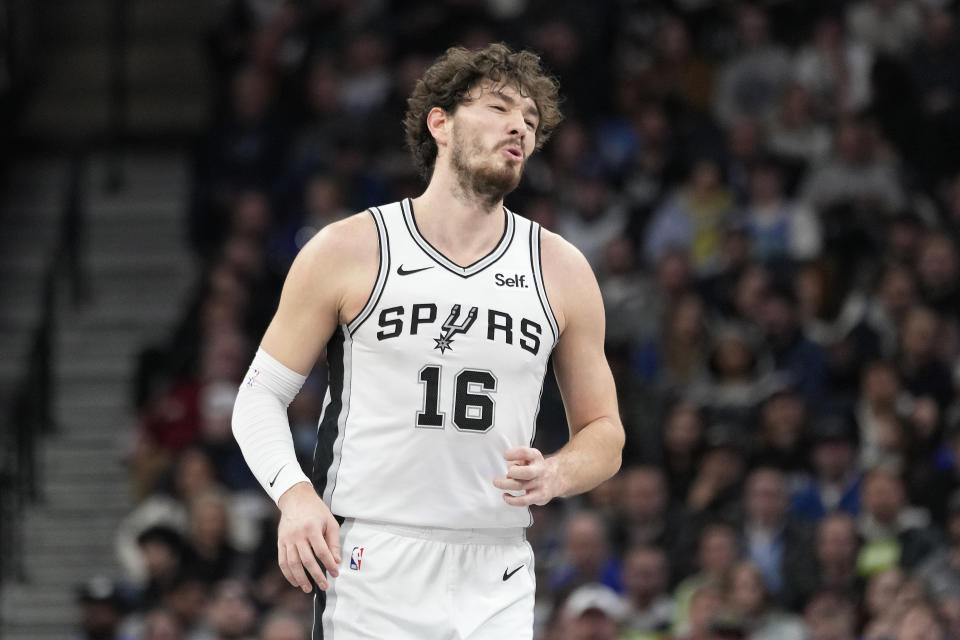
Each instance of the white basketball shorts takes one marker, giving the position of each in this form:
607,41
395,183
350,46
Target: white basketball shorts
409,583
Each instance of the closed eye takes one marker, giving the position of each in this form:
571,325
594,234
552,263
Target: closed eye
498,107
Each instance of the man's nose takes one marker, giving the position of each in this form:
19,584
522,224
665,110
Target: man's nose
517,126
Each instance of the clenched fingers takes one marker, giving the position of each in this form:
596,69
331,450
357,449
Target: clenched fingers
527,472
509,484
535,496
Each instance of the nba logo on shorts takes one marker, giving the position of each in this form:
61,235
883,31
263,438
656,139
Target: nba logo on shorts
356,558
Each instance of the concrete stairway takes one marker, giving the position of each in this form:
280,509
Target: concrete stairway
139,274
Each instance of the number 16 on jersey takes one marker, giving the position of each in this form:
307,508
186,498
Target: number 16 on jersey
473,403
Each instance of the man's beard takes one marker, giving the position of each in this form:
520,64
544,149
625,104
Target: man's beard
489,182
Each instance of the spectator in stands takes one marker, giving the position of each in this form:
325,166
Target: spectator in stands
162,549
856,173
830,616
793,353
835,70
718,550
101,610
879,409
940,571
646,516
938,276
587,555
781,438
920,623
894,295
749,600
924,372
705,604
889,27
283,626
735,381
777,227
683,440
834,567
655,167
717,483
593,612
834,316
795,134
835,482
212,556
935,78
777,544
646,577
752,81
192,474
692,218
749,294
679,76
676,358
240,152
894,533
231,614
592,216
187,601
624,292
160,624
745,147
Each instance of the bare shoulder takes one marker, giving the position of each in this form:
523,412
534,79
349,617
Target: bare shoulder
342,259
354,237
571,285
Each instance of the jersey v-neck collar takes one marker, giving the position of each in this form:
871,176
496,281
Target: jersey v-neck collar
465,272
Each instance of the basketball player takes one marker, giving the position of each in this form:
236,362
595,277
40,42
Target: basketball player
438,316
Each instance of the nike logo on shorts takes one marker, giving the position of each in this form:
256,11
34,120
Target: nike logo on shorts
276,476
509,574
405,272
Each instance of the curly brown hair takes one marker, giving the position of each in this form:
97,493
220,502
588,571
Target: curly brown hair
449,81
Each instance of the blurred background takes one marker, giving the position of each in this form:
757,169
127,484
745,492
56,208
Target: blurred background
768,192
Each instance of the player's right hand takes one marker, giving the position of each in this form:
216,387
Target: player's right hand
307,532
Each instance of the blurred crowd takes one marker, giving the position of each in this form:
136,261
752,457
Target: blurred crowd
769,194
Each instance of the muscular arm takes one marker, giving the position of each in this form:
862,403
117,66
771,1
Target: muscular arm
589,395
328,284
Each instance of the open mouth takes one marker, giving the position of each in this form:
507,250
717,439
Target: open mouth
514,152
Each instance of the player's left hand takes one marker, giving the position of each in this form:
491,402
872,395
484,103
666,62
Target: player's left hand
530,472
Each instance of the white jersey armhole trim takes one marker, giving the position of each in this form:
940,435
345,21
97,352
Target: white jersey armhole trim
383,271
536,265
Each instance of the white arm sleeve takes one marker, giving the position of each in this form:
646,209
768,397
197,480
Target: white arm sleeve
261,427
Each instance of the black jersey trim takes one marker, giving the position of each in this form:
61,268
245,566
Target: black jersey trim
536,266
332,427
506,239
383,271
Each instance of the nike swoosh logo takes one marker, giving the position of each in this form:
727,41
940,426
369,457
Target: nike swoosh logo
276,476
508,575
405,272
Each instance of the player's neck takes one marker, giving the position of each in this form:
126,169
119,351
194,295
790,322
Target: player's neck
461,227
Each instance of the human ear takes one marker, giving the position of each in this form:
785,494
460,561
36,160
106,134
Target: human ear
438,122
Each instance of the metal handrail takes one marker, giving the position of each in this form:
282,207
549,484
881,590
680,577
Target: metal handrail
31,413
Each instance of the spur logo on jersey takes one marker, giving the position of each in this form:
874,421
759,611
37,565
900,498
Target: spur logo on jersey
451,328
501,326
356,558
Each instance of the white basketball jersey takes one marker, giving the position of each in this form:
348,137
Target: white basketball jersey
439,374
